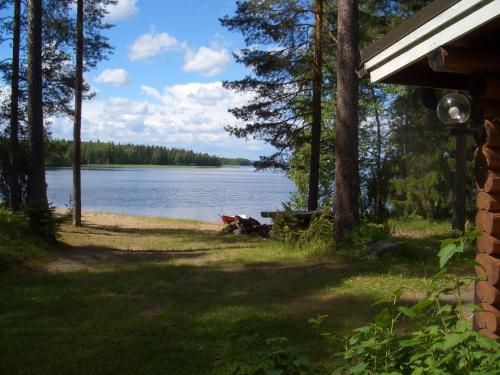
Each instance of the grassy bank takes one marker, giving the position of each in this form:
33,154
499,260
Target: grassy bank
18,246
147,296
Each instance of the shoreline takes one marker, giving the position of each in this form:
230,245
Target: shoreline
124,219
143,166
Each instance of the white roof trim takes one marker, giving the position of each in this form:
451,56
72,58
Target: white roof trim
436,33
436,22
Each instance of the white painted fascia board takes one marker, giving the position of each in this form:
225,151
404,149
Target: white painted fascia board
419,33
446,35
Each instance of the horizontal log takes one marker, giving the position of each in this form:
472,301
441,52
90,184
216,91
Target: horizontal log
488,245
489,334
492,129
492,182
488,266
492,157
488,202
488,318
488,222
464,60
487,293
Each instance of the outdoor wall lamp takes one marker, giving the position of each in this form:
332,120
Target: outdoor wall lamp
454,110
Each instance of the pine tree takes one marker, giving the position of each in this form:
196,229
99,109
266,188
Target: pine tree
15,185
37,190
285,43
314,169
77,190
347,166
91,48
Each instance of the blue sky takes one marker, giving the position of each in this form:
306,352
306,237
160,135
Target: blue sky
162,85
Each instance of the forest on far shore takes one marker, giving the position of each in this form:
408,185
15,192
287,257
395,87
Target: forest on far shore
59,154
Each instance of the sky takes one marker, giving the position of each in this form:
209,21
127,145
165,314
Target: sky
163,83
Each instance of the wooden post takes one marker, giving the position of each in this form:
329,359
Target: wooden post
460,174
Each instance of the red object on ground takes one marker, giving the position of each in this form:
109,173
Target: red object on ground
227,219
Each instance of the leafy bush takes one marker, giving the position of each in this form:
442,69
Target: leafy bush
277,357
18,244
286,226
43,222
315,236
14,225
430,337
318,237
367,234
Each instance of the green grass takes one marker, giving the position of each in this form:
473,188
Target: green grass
17,245
96,310
16,252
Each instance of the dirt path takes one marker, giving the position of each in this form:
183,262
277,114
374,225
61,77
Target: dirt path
87,259
109,240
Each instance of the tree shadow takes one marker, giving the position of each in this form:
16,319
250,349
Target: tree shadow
142,312
162,316
163,234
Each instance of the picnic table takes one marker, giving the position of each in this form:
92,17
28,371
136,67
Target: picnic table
305,215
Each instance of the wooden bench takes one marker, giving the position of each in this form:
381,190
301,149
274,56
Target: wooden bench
304,215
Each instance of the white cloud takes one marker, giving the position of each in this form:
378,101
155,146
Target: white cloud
152,44
207,61
189,115
197,108
115,77
124,10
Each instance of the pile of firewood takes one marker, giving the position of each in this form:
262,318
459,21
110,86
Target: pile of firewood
247,226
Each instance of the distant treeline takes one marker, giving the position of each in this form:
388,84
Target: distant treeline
59,153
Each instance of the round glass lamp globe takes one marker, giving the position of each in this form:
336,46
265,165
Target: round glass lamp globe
454,109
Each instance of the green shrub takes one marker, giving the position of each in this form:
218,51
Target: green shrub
367,234
18,244
315,236
13,225
286,226
276,357
430,337
43,221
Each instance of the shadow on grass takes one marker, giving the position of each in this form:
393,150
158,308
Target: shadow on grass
179,238
160,318
423,249
138,312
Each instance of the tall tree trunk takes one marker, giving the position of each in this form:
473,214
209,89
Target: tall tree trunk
314,167
77,192
15,186
379,208
347,168
37,189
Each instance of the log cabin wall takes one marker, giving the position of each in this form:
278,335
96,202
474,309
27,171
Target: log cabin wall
487,163
467,59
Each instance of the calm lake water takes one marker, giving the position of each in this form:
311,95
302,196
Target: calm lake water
190,193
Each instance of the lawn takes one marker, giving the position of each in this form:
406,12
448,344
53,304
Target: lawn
147,296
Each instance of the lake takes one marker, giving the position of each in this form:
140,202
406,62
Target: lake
185,193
